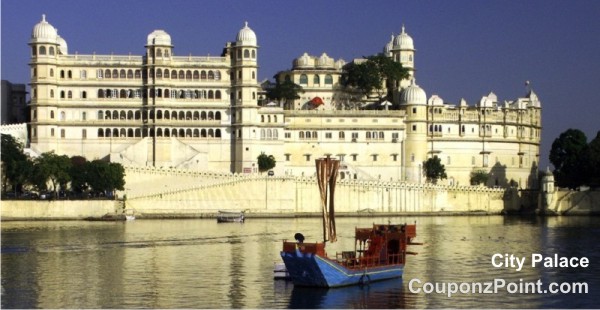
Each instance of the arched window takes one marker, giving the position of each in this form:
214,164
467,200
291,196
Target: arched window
159,73
115,73
211,115
253,54
181,75
159,53
70,94
262,118
115,132
100,115
316,80
246,54
301,135
52,93
122,115
218,94
203,133
218,115
303,79
262,134
181,115
173,74
42,50
84,94
129,115
51,50
196,75
196,116
100,133
211,133
203,75
52,72
211,75
174,115
122,74
107,74
115,114
188,115
328,79
123,93
62,94
217,75
211,94
314,134
181,133
138,74
107,114
62,74
203,115
196,133
218,133
188,75
167,76
130,133
130,74
253,75
123,133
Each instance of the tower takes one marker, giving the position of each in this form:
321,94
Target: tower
46,46
403,51
414,101
245,133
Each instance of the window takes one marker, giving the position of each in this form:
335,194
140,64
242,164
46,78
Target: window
328,79
354,156
62,133
51,132
52,114
414,127
287,157
341,135
83,134
303,79
316,80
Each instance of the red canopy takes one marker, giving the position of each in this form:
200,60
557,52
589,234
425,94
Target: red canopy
317,101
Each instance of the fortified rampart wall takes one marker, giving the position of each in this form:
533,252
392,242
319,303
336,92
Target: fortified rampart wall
57,209
285,195
575,202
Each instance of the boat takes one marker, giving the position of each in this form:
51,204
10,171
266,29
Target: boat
129,214
379,251
230,217
379,254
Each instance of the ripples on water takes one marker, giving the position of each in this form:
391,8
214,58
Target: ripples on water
202,264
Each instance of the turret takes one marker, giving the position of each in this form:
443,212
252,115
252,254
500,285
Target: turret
413,100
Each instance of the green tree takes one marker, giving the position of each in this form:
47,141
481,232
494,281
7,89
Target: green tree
592,161
51,167
286,92
566,155
79,175
105,177
479,177
16,166
265,162
376,73
434,170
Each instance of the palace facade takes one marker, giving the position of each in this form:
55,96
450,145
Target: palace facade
202,113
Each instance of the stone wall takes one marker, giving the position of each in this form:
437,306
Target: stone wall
575,202
56,209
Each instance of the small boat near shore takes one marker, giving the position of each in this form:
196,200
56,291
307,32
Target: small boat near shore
230,217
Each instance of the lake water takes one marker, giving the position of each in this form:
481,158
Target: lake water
202,264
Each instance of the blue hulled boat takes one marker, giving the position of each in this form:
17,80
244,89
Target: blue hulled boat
379,254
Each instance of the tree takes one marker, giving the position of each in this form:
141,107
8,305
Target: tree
592,161
265,162
377,73
434,170
479,177
566,155
16,165
78,173
53,168
105,177
287,91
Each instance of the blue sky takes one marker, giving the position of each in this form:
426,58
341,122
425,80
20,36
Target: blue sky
465,49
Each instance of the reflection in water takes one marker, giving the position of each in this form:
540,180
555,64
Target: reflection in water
202,264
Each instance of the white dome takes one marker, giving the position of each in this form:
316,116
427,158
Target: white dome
304,61
44,32
159,37
62,45
403,41
340,63
246,36
325,61
413,94
389,46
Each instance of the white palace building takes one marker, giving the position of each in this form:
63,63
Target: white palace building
203,113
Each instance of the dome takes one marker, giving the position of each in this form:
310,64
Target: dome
62,45
403,41
246,36
304,61
44,32
159,37
325,61
389,46
413,94
340,63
